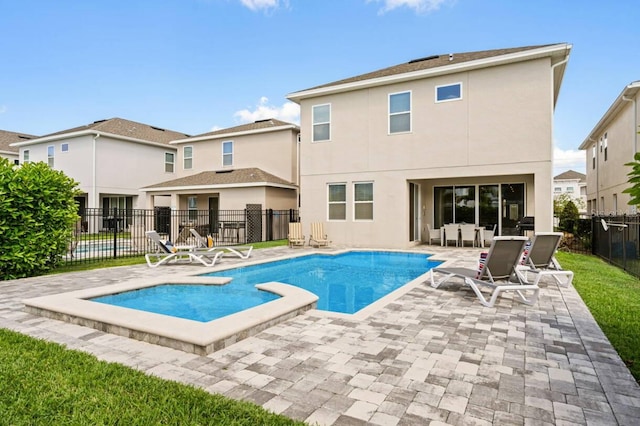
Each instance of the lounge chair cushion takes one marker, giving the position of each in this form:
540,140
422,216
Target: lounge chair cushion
169,245
210,243
481,262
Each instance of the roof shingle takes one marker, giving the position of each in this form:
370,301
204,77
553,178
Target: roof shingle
256,125
571,174
223,177
7,138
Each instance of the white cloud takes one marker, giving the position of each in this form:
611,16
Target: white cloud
266,5
3,109
289,112
564,160
420,6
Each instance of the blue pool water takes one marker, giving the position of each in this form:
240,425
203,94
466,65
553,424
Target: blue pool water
344,283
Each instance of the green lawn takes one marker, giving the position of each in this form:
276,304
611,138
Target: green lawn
613,297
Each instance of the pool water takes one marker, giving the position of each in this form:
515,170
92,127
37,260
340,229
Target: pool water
344,283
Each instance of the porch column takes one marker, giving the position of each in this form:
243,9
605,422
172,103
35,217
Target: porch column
543,198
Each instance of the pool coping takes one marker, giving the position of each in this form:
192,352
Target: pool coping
200,338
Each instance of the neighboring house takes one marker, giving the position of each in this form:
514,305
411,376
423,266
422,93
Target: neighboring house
110,159
6,150
464,137
574,185
251,166
611,144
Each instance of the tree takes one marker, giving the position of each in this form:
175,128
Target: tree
569,217
634,180
37,217
561,200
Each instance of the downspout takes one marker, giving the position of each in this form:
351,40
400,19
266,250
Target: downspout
94,173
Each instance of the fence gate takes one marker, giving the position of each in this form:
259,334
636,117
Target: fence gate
254,223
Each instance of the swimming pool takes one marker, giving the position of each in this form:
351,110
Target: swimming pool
344,283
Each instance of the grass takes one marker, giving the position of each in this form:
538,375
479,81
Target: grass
43,384
613,297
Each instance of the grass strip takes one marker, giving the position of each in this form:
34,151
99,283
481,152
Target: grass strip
613,297
43,384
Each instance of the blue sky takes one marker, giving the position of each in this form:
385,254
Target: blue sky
198,65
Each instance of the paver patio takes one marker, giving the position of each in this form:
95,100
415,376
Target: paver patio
429,357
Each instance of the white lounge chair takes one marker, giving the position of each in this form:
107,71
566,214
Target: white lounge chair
433,234
318,237
295,236
166,253
495,272
539,260
243,252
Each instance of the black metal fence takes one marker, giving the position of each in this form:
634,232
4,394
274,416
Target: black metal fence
616,239
113,233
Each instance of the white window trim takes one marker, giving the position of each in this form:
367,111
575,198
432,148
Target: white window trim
337,202
166,162
313,124
362,202
435,92
51,159
231,153
184,157
26,154
389,114
62,146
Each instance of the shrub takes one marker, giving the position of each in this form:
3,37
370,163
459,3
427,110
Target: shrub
569,217
37,214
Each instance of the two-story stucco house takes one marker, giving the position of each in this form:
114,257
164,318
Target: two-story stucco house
8,151
573,185
611,144
110,159
453,138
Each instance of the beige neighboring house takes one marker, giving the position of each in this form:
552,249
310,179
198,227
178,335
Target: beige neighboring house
10,152
574,185
251,166
110,159
611,144
462,137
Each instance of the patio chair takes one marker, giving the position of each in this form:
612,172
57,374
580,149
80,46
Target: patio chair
318,237
433,234
489,233
495,271
168,253
295,236
451,233
539,259
208,242
468,233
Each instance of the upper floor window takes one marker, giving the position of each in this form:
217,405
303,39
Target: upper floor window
450,92
557,189
400,112
169,161
64,147
605,147
363,201
227,153
321,122
25,156
337,201
187,154
51,151
593,156
570,189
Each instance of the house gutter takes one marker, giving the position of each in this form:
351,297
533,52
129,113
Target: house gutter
634,148
94,162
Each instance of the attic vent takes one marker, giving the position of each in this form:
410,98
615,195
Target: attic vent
223,171
262,121
23,137
99,121
157,128
427,58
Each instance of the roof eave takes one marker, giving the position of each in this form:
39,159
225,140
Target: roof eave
71,135
561,50
629,90
234,134
219,186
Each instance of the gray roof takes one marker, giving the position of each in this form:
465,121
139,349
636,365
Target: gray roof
131,129
224,177
7,137
428,62
256,125
571,175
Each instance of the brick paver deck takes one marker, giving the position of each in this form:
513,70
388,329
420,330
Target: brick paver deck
430,357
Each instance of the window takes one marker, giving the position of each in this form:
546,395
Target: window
557,189
51,150
16,162
363,201
570,189
169,161
615,203
25,156
64,147
227,153
451,92
593,156
187,154
400,112
192,206
321,122
605,147
337,201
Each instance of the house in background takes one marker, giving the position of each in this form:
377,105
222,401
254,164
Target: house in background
574,185
611,144
253,166
110,159
463,137
10,152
